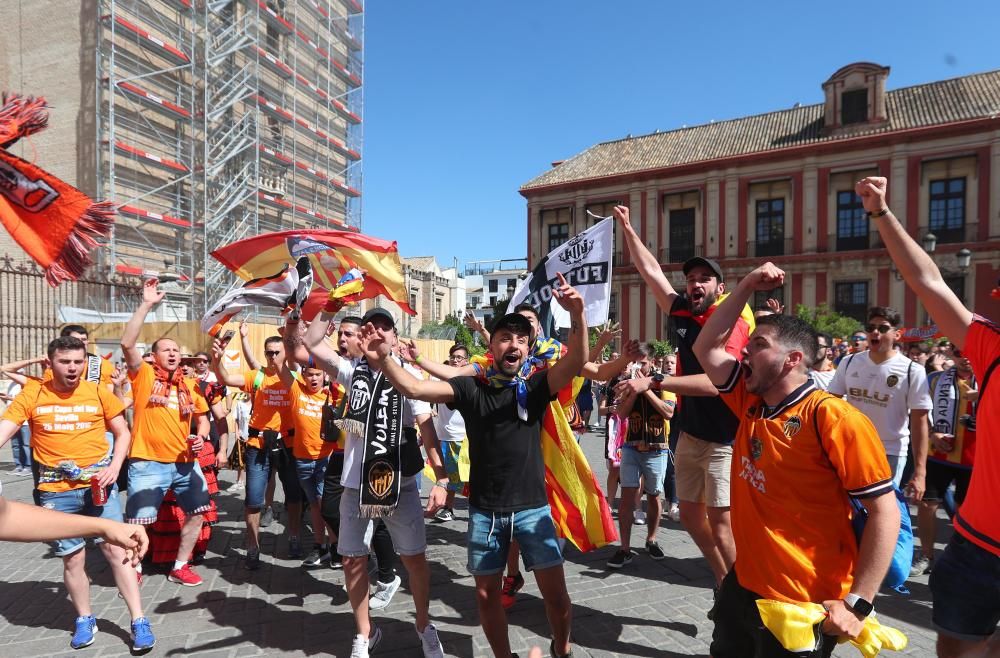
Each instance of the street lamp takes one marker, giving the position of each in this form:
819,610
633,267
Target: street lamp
929,243
964,258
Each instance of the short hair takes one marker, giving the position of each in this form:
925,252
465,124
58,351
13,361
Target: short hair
65,343
352,319
525,306
923,347
74,329
795,333
828,337
456,347
156,343
272,339
204,355
889,313
645,350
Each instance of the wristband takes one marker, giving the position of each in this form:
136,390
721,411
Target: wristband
417,360
441,483
880,213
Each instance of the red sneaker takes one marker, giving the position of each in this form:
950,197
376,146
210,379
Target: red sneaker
508,592
185,576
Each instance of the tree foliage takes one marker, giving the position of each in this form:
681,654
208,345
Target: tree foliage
462,334
661,348
827,321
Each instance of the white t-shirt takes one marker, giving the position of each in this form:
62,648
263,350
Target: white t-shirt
449,424
354,448
884,392
822,378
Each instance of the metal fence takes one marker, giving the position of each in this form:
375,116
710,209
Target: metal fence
29,307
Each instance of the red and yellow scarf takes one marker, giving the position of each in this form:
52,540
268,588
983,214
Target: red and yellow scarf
160,395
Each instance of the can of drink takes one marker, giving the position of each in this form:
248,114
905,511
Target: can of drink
193,439
98,494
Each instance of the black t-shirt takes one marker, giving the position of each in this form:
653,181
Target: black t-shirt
706,418
506,471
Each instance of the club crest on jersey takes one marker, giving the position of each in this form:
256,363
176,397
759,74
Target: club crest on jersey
756,448
891,381
792,426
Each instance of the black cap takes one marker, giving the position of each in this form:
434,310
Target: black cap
378,312
515,322
692,263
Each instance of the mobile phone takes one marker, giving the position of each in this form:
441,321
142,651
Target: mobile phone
226,337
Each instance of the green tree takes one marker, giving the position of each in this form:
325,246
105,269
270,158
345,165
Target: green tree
826,320
462,334
661,347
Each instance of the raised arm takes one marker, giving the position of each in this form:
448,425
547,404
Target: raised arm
710,347
919,270
473,324
377,349
645,262
12,369
294,340
314,339
151,296
609,332
252,362
223,375
570,364
603,372
411,353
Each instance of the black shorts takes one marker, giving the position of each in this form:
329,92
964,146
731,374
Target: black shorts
940,475
965,586
740,633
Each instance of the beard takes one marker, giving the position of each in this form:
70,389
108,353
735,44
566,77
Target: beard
763,377
704,303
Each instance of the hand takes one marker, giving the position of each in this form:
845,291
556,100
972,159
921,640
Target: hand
150,293
472,323
107,475
632,387
631,350
217,350
221,460
374,343
130,537
436,500
972,396
244,328
872,192
621,216
409,351
766,277
942,442
916,486
776,307
198,444
609,332
567,296
841,620
118,377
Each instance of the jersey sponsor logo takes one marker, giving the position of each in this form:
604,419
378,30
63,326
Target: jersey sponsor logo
792,426
874,397
891,381
753,475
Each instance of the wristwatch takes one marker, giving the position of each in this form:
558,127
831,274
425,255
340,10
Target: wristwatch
859,605
657,382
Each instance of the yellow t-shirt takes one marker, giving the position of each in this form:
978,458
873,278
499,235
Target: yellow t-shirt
671,401
270,401
159,432
66,425
307,416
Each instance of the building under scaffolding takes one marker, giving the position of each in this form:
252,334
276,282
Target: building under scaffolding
222,119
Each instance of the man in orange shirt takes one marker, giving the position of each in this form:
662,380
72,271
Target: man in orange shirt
162,457
799,455
268,447
68,417
965,581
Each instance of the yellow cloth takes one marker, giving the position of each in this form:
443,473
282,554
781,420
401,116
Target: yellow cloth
463,464
792,624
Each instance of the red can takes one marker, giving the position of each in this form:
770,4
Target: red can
98,494
193,439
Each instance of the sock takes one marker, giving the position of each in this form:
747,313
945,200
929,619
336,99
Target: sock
179,564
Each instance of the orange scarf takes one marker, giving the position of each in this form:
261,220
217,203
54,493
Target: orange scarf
160,395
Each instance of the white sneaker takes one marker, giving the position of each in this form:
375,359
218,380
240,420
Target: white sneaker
675,513
362,645
640,517
383,594
430,642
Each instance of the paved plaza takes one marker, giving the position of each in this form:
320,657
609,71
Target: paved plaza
650,609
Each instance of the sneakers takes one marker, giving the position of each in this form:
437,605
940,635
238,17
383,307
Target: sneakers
252,562
444,515
508,591
383,594
83,633
430,642
362,645
921,565
239,485
21,471
640,517
142,635
267,516
675,513
316,556
552,651
621,558
294,548
185,576
654,550
335,561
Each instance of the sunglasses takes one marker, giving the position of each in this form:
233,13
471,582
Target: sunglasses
882,328
859,339
270,353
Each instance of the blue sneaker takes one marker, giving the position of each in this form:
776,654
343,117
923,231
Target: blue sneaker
142,635
83,636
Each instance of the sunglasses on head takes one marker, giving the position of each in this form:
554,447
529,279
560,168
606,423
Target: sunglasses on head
882,328
270,353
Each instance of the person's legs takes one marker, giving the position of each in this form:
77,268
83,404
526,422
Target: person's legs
125,579
419,578
613,476
77,583
965,587
537,533
293,494
653,466
407,529
257,473
385,552
558,610
191,490
717,474
625,516
354,554
513,560
332,490
487,545
492,617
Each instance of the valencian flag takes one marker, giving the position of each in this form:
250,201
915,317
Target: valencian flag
332,254
585,261
284,290
55,223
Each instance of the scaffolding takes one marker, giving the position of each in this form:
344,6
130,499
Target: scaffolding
221,120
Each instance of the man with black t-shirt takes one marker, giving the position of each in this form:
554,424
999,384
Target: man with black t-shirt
503,412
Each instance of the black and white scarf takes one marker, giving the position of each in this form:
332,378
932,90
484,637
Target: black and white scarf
374,413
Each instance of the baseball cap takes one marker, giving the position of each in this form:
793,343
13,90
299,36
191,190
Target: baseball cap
378,312
515,322
697,261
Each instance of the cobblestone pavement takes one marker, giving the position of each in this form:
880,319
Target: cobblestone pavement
646,609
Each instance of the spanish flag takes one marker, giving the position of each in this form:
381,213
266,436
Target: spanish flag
332,254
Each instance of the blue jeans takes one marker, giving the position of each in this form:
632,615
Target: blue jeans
311,473
78,501
149,481
259,469
490,534
650,466
20,444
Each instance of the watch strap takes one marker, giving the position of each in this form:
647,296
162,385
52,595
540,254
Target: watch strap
859,605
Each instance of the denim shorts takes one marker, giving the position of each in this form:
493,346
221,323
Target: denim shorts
490,534
78,501
259,467
405,524
965,586
311,473
149,481
650,465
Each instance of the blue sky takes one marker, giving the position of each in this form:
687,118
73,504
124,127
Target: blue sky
466,101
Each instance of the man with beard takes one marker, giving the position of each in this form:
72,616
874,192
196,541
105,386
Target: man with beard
503,411
822,370
799,455
892,391
707,426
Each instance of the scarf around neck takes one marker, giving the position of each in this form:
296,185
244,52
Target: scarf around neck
543,354
160,396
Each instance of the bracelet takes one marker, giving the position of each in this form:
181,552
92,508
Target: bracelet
417,360
441,483
880,213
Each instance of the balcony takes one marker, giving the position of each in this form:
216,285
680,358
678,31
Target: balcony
770,248
836,243
680,253
968,232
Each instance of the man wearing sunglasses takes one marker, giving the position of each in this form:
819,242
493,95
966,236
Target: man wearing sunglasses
822,369
892,391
